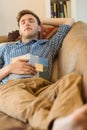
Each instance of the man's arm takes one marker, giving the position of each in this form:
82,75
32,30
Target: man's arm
55,42
19,67
58,21
4,72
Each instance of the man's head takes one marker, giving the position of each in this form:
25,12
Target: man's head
24,12
29,24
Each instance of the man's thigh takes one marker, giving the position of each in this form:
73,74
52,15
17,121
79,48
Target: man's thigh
15,99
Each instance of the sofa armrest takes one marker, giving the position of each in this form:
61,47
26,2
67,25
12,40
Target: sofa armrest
3,39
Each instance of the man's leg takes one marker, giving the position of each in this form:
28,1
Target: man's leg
15,99
18,100
76,121
69,96
36,109
65,97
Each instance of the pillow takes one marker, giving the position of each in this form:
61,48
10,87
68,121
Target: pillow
13,36
47,31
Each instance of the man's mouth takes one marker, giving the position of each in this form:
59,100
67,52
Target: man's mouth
27,29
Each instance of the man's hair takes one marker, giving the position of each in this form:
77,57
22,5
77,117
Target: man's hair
26,11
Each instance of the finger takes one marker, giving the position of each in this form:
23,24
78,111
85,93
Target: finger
23,60
29,70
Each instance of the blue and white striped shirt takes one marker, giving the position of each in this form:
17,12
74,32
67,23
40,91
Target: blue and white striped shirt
42,48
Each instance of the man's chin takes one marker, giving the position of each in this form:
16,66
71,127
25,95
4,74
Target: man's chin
28,36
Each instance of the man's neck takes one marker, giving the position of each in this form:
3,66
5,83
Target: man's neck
27,40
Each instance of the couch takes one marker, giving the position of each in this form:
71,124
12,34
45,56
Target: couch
71,57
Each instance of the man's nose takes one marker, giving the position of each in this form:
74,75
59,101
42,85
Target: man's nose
27,23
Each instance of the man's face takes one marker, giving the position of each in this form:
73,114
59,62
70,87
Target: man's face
28,26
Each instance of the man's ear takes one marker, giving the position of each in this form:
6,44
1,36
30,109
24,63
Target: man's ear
40,28
19,32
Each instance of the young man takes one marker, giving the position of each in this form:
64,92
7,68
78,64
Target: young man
36,100
29,26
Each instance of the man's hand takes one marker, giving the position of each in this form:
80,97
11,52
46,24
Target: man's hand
22,66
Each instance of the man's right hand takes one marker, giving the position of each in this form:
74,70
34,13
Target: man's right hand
22,66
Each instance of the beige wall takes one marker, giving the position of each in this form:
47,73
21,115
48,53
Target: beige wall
10,8
78,9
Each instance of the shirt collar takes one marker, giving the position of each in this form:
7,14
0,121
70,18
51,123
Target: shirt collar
33,41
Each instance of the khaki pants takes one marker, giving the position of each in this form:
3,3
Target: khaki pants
38,101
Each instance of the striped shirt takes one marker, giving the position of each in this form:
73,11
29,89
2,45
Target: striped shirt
42,48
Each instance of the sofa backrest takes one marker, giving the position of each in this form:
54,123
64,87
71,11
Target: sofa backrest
73,54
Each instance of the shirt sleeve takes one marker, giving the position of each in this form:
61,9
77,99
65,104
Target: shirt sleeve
56,41
2,49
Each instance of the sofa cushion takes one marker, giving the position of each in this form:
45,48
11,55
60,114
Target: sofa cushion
55,71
